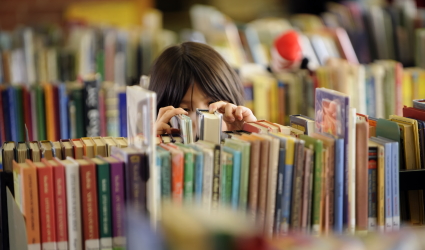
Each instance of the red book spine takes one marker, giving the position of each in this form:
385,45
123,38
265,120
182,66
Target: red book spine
60,203
102,113
46,203
89,205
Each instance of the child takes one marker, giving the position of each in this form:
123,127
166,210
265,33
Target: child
193,75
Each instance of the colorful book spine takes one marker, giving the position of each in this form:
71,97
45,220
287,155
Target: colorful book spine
199,178
40,111
50,114
60,205
77,104
117,204
165,157
372,181
189,171
27,99
73,203
63,112
287,185
104,203
89,197
122,105
56,112
47,206
236,175
216,178
18,103
11,114
30,204
226,179
279,191
91,107
3,137
297,186
339,185
207,185
396,187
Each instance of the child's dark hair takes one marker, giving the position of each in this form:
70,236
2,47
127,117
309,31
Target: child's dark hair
180,66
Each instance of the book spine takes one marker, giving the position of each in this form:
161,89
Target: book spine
396,186
19,113
199,172
26,97
104,201
236,177
226,180
177,173
207,186
372,181
30,206
122,105
56,112
136,188
388,188
102,113
60,207
189,172
91,108
89,206
47,217
49,111
271,186
41,118
73,203
286,200
244,189
297,187
306,195
381,191
352,171
253,179
6,182
339,185
262,185
362,182
6,113
13,124
34,116
279,191
216,178
2,121
63,112
117,200
166,176
317,192
77,97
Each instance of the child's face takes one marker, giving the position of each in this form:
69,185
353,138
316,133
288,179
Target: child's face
193,99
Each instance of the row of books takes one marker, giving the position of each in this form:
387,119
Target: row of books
77,202
62,111
48,53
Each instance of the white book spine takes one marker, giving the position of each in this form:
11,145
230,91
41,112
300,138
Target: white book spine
396,186
352,171
207,188
73,202
388,188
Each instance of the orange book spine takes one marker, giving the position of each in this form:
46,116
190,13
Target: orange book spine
177,173
30,206
46,196
50,115
60,204
89,205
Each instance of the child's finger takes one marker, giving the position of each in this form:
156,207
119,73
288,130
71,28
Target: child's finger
238,113
216,106
166,117
247,114
228,112
164,109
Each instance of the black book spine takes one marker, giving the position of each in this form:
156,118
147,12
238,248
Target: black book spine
91,108
6,181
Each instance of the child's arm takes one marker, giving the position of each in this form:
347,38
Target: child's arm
234,116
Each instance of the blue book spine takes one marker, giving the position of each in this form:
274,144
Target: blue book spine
63,112
339,185
371,97
395,183
236,175
122,99
13,123
199,174
6,114
388,187
286,199
279,190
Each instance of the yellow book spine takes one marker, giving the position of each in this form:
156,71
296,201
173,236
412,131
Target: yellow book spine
407,88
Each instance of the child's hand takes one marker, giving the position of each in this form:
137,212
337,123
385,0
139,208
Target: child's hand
234,116
164,116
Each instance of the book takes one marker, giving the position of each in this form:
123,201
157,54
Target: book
380,186
199,173
117,202
78,148
99,146
46,149
109,143
67,149
73,203
8,155
209,125
91,105
189,172
57,150
48,221
88,146
226,178
235,175
372,187
177,173
362,188
303,123
89,203
103,178
165,173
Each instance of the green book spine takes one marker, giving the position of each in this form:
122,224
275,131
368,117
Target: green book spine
226,175
20,114
165,172
100,64
317,145
104,199
77,97
189,173
41,117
